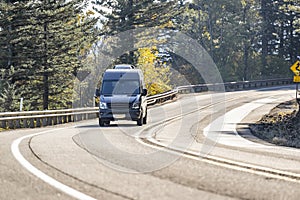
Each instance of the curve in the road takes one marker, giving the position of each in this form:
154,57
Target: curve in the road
41,175
221,135
153,143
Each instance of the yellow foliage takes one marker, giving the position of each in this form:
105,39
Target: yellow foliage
206,34
169,24
156,76
244,3
146,56
90,12
154,16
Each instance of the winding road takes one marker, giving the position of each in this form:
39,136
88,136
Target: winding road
197,147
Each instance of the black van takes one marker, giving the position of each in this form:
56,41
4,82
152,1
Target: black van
122,96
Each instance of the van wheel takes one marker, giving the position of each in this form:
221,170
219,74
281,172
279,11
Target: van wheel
140,122
145,119
103,123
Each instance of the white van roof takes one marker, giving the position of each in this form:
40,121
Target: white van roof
124,66
116,74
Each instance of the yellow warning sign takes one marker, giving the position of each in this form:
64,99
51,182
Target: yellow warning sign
296,79
296,68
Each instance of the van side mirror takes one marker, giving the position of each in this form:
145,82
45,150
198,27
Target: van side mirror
144,92
97,93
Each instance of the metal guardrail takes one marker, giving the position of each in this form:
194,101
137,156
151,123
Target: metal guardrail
234,86
33,119
160,98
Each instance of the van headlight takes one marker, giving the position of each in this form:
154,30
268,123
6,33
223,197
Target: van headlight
136,105
103,105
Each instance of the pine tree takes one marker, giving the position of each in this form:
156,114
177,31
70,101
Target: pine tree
14,48
44,41
9,96
62,37
129,14
124,15
289,16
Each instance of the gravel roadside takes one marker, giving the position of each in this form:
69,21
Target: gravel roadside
281,126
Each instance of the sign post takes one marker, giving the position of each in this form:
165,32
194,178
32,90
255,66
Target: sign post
296,69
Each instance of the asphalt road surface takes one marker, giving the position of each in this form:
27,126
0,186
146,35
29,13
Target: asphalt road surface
197,147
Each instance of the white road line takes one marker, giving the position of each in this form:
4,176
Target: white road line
221,129
41,175
228,124
223,162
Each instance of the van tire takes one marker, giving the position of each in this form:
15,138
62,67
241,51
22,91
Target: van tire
145,119
103,123
140,121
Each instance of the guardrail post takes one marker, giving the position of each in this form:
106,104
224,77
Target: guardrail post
44,121
49,121
3,124
59,120
18,123
54,120
25,123
64,119
38,122
70,118
74,118
31,123
11,124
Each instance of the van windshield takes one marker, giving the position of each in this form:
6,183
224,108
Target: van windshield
120,87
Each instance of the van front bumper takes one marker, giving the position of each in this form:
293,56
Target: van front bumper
112,115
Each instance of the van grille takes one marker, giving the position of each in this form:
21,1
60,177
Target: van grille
118,106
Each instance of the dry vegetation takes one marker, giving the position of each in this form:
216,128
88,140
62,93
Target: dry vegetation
281,126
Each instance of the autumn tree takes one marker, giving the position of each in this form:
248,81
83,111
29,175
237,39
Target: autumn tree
122,16
157,75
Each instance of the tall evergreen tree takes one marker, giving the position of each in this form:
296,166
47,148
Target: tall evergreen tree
15,51
280,41
44,40
289,14
247,39
122,15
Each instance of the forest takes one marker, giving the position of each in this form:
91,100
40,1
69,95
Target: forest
52,52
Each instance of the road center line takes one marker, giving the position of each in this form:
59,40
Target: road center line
41,175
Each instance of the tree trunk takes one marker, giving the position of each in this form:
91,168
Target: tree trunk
46,91
246,55
264,39
45,74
